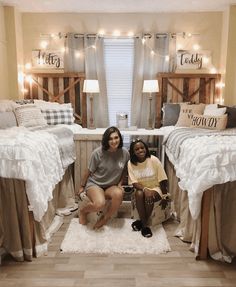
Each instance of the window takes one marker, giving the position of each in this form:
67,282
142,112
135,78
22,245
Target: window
119,63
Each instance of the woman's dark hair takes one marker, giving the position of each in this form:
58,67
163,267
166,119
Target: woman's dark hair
133,157
106,137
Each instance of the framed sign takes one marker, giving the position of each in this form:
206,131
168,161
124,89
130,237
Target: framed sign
193,60
48,60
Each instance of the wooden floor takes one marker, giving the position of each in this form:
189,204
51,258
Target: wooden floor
175,268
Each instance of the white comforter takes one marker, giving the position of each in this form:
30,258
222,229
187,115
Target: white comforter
35,158
204,161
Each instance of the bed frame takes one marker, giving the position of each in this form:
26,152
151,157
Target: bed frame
61,88
194,88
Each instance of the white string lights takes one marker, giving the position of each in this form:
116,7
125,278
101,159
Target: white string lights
184,41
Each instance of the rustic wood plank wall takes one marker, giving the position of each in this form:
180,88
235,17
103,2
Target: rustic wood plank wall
194,88
61,88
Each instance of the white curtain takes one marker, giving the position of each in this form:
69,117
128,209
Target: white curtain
84,53
94,69
74,53
156,54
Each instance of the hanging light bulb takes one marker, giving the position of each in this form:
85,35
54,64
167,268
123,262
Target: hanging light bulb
44,44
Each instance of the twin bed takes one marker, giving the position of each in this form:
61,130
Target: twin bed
36,181
37,162
204,197
201,168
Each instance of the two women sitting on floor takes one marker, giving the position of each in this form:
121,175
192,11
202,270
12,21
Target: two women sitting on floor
106,172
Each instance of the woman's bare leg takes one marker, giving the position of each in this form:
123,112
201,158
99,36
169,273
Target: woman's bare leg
97,203
139,198
115,194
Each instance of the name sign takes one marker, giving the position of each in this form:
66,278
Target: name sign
193,60
49,59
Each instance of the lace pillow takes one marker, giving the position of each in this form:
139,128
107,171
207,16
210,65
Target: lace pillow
29,116
186,113
209,122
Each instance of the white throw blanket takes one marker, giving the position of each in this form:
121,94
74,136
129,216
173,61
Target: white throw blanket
35,158
203,162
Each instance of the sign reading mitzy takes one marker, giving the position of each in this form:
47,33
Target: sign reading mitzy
49,59
193,60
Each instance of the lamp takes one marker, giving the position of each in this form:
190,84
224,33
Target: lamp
91,87
150,86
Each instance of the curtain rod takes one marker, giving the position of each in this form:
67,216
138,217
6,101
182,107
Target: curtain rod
138,36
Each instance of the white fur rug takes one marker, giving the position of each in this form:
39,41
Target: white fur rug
116,237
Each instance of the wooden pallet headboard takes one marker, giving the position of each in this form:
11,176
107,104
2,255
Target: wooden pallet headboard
61,88
194,88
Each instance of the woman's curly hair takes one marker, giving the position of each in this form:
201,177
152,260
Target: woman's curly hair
133,157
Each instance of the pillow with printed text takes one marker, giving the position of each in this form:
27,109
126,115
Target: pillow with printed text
186,113
209,122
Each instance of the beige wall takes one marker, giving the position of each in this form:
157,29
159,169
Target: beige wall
216,33
4,93
230,76
208,25
13,27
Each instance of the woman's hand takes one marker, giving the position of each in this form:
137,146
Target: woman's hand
149,195
164,201
81,189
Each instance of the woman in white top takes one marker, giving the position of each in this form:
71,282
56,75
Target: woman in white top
103,179
149,179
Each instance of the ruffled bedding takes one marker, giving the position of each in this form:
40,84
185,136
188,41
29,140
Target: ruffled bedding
37,157
201,160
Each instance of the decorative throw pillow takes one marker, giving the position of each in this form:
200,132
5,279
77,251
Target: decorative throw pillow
209,122
170,114
7,120
210,107
55,117
214,112
44,105
231,112
7,105
186,113
29,116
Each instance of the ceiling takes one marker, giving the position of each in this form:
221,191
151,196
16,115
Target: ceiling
118,6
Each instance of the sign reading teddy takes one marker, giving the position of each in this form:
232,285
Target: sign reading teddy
193,60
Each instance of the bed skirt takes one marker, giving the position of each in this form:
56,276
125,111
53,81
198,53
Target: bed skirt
20,235
221,237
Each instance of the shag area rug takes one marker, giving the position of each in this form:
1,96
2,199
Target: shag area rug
115,238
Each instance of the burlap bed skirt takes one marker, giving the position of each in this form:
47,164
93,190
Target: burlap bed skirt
20,235
222,223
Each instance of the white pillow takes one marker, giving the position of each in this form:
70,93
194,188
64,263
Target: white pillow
210,107
44,105
29,116
215,112
7,105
